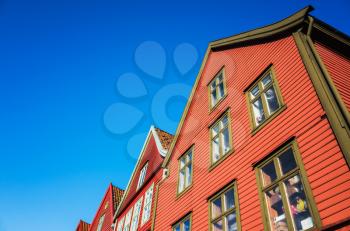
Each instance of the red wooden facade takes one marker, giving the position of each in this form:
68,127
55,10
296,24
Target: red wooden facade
104,215
305,120
151,156
310,65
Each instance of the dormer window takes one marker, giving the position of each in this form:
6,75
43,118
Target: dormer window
142,176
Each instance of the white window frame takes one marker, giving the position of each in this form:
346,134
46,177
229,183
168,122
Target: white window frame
147,205
128,220
120,224
142,176
136,215
100,222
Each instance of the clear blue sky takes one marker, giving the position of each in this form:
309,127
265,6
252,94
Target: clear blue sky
60,63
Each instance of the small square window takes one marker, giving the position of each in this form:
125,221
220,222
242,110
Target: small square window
217,89
264,98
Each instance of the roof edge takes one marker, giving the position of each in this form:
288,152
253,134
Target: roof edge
265,31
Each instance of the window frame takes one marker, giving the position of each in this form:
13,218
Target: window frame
143,170
144,220
221,193
101,220
258,82
220,72
279,181
223,156
178,192
182,221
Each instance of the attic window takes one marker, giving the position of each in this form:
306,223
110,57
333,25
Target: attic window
142,176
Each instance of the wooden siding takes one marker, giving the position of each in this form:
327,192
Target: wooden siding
154,180
327,172
108,211
154,159
338,68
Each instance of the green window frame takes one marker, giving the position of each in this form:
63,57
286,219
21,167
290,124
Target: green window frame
287,202
185,176
220,139
185,224
224,210
217,89
264,99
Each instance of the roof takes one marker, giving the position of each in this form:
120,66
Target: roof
83,226
154,150
300,21
164,137
117,194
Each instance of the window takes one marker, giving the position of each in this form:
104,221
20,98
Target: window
136,215
100,223
146,212
185,171
120,224
142,176
283,192
220,138
224,214
217,89
184,224
264,99
127,220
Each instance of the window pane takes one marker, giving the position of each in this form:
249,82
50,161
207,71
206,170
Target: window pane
216,208
266,80
215,149
189,157
254,92
276,210
221,90
215,130
229,199
188,175
217,226
231,222
213,97
224,122
287,161
258,112
177,228
225,140
268,173
298,203
271,99
182,180
182,162
187,225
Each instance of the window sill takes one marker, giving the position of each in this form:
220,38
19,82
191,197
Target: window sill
213,165
212,108
279,111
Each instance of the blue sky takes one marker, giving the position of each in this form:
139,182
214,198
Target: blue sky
62,88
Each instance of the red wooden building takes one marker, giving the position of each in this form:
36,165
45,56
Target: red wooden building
103,219
137,206
264,139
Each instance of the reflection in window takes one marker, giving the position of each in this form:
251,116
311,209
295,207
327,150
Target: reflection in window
185,171
217,89
183,225
264,99
220,138
284,194
223,210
